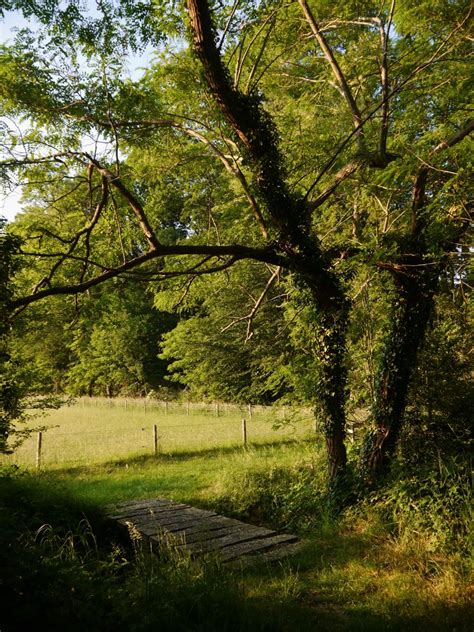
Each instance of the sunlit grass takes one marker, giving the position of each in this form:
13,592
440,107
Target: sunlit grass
95,430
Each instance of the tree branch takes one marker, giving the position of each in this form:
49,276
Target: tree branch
135,204
87,230
337,72
419,187
235,251
384,41
340,176
250,317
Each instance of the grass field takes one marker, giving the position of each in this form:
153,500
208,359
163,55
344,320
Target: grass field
395,562
96,430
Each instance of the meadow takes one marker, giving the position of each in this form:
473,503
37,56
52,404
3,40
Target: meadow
94,430
396,560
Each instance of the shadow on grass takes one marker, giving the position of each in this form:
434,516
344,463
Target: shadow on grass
186,455
44,588
318,591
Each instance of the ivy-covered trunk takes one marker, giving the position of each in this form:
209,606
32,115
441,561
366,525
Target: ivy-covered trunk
288,216
411,312
330,317
332,390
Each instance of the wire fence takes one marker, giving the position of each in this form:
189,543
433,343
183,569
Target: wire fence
97,430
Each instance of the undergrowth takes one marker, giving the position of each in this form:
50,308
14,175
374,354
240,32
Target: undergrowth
396,558
427,513
58,572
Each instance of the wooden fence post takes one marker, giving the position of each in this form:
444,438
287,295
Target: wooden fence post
244,432
144,403
350,432
155,439
217,409
38,450
250,411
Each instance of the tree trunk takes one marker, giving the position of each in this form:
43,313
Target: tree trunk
412,309
330,315
333,390
290,217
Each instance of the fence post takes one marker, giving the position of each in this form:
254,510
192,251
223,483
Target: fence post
244,432
155,439
144,403
217,409
250,411
38,450
350,431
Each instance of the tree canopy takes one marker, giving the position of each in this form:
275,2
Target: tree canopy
291,177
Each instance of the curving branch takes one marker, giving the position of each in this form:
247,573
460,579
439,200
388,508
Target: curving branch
341,80
419,187
235,252
134,202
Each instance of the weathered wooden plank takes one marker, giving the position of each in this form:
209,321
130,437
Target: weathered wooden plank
167,517
266,557
170,518
148,509
207,536
133,504
244,535
199,531
201,526
255,546
153,525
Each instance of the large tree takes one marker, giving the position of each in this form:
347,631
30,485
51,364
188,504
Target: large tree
305,136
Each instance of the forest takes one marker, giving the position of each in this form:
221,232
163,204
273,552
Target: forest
276,209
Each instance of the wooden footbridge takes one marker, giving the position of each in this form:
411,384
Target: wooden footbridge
200,532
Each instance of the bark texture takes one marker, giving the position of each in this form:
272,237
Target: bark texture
288,215
412,310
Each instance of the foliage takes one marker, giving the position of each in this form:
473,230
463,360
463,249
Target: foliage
321,149
116,343
441,398
433,501
10,394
